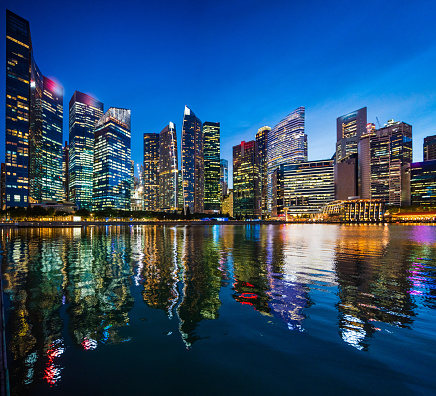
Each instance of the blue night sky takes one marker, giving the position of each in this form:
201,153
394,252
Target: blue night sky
245,64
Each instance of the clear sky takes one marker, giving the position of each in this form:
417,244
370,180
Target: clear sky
245,64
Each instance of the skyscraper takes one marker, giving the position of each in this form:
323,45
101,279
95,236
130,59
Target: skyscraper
262,145
18,70
423,183
45,139
224,176
84,112
429,148
389,152
168,168
151,171
349,128
287,143
65,172
212,199
192,162
112,161
245,180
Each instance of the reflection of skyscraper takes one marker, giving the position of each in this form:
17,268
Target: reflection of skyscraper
168,168
211,133
287,143
192,162
84,112
112,162
151,171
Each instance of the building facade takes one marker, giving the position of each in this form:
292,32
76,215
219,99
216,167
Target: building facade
287,143
385,156
65,173
212,191
192,162
429,148
245,180
349,128
224,176
84,112
262,151
303,188
227,204
112,161
168,169
423,183
151,171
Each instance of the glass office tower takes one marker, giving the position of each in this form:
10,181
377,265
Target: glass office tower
287,143
429,148
224,176
112,161
192,162
349,128
45,139
18,70
151,171
262,146
245,180
168,169
84,111
423,183
212,199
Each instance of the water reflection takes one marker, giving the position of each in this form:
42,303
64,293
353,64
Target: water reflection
76,287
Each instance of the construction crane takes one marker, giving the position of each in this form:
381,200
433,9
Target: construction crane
378,122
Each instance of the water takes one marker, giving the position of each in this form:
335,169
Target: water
262,309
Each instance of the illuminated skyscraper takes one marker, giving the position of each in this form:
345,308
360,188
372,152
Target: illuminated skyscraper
389,152
18,66
168,168
287,143
112,161
262,145
245,180
151,171
65,173
224,176
423,183
349,129
212,199
429,148
45,139
84,112
192,162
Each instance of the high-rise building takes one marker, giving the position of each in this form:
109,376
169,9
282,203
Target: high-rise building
349,128
45,139
65,173
212,199
112,161
3,186
192,162
245,180
430,148
287,143
18,80
423,183
384,163
151,171
224,176
168,169
303,188
84,112
227,205
262,146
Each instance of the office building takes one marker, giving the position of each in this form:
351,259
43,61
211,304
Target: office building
45,138
384,163
287,143
262,147
151,171
227,204
65,173
17,125
84,112
168,169
245,180
192,162
302,188
224,176
112,161
212,198
430,148
3,186
423,183
349,128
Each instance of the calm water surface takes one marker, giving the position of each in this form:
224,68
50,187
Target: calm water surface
262,309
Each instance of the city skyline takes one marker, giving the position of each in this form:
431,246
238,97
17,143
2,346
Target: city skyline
392,78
